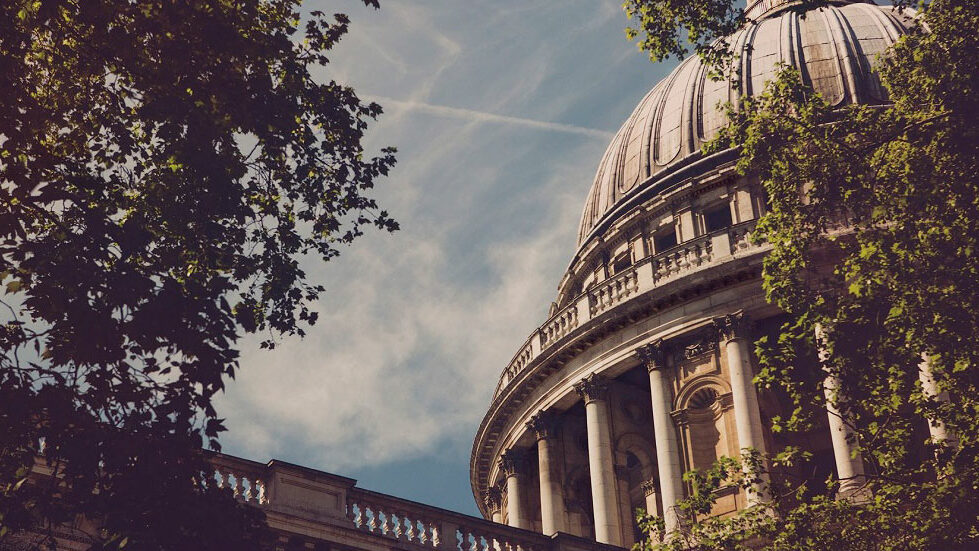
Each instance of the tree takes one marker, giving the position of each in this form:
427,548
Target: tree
165,166
873,222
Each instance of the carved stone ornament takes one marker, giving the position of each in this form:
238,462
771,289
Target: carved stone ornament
493,498
651,355
544,424
680,417
513,462
703,346
733,326
591,388
648,487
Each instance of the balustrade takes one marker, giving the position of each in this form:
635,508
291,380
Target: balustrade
613,291
741,237
682,258
314,504
245,478
665,267
559,325
431,528
518,363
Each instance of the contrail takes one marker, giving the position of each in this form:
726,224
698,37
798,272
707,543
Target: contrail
482,116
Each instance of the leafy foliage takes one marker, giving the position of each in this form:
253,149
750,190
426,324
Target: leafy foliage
873,222
164,168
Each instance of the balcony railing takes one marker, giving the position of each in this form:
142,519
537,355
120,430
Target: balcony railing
287,492
425,527
702,252
315,505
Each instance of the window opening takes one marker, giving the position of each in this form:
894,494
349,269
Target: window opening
621,262
665,240
718,218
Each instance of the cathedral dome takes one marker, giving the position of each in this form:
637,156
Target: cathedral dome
659,145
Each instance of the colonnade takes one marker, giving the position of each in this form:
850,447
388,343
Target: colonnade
734,333
668,489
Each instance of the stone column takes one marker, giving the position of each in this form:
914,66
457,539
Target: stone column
493,499
625,506
735,331
667,450
650,493
552,514
652,505
931,391
512,463
608,526
849,462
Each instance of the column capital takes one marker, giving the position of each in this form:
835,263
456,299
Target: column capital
648,487
544,423
513,462
651,355
591,388
736,325
493,498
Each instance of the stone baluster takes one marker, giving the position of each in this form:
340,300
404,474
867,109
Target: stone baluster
386,524
224,479
375,521
664,432
849,461
608,524
544,426
735,330
400,524
356,514
239,487
512,463
411,531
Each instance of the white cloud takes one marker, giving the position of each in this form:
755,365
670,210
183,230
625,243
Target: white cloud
416,326
482,116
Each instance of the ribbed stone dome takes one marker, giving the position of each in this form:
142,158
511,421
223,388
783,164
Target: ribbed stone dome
834,47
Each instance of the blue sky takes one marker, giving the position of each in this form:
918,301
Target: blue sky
500,111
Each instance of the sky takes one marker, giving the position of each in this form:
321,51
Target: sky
500,111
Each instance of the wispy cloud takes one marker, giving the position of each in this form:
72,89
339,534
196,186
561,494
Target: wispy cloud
416,327
482,116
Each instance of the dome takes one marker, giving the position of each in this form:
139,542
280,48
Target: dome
834,48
